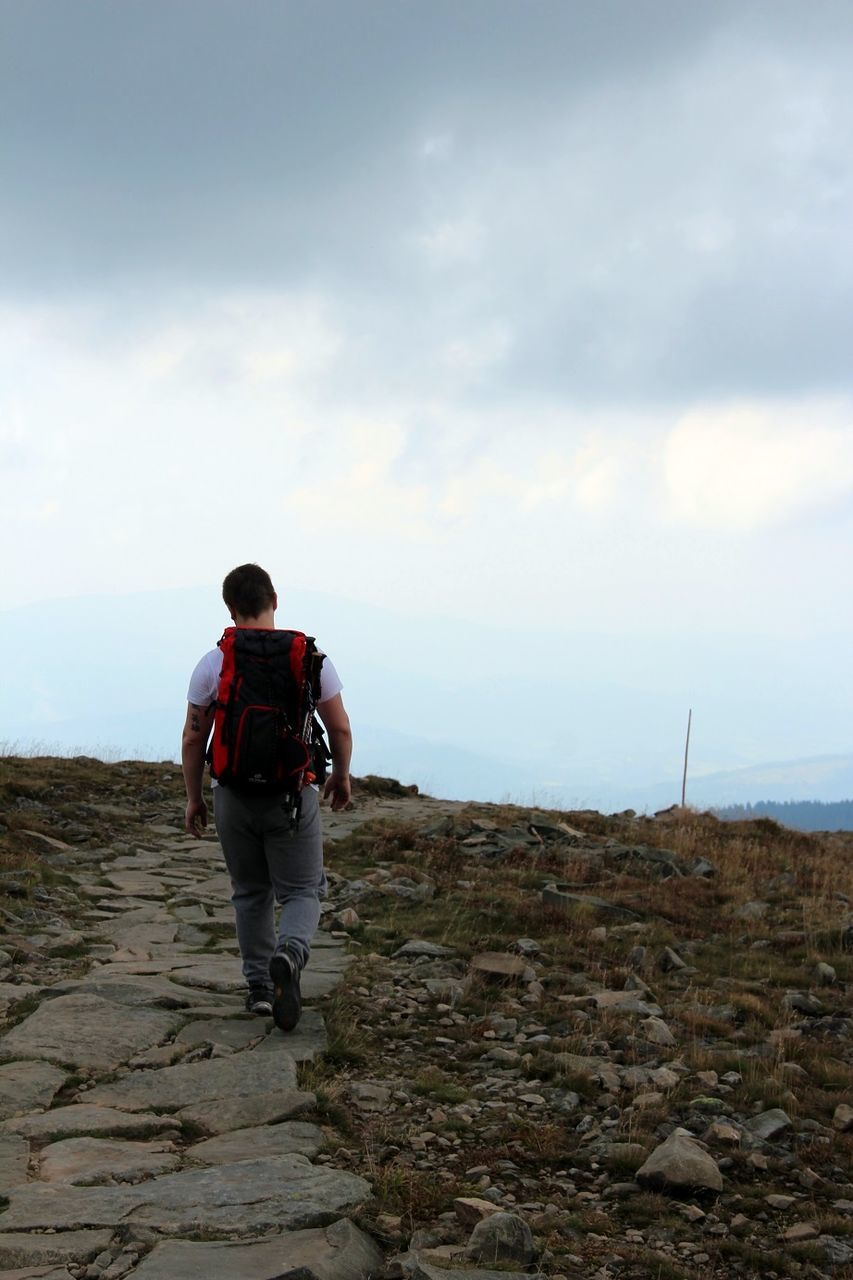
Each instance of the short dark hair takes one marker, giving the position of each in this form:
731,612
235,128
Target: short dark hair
248,590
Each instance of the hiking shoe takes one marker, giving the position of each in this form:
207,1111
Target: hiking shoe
259,1000
287,998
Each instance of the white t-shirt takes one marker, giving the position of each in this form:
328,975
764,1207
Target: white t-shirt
204,681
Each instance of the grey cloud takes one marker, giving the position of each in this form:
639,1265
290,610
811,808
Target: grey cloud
162,151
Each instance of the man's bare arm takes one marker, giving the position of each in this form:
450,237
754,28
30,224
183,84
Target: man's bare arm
193,750
336,721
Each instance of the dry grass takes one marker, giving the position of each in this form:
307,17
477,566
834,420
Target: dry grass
415,1195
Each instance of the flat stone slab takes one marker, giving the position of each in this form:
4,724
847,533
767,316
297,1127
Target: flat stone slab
37,1273
85,1162
220,974
624,1002
137,911
501,966
83,1031
83,1120
193,913
338,1252
226,1007
329,959
118,968
12,992
557,895
189,1083
323,941
292,1137
247,1198
223,974
417,1268
14,1158
419,947
216,886
303,1044
143,991
28,1086
316,982
20,1250
234,1033
140,883
139,937
222,1115
133,862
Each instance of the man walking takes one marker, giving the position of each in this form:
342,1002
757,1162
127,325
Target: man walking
269,857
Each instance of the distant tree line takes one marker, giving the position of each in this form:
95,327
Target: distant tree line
802,815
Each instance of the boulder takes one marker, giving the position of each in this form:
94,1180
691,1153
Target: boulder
502,1237
656,1031
768,1124
680,1165
842,1118
470,1209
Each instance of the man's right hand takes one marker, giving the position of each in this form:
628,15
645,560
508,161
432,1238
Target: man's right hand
339,790
196,818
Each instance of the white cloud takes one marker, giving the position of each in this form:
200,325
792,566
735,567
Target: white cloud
363,496
453,242
436,146
745,465
126,477
480,350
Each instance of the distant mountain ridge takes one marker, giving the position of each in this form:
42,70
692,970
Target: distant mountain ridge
825,778
803,815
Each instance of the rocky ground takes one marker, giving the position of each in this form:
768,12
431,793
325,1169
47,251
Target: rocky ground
536,1043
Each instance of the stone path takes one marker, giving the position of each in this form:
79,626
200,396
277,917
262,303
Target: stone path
148,1125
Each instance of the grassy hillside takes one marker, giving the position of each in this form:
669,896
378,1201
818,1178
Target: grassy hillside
579,987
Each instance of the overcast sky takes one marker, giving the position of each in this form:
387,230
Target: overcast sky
519,311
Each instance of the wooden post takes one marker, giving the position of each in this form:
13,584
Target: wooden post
686,749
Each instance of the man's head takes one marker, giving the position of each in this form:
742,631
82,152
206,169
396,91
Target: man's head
248,591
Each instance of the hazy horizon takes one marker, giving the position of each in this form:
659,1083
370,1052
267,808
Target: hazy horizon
455,707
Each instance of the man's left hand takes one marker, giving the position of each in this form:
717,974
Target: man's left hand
339,790
196,818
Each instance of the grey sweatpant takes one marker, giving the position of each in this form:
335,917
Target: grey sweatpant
268,863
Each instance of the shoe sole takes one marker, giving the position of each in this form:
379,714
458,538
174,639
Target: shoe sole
287,1003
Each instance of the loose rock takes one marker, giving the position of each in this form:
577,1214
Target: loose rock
502,1237
680,1164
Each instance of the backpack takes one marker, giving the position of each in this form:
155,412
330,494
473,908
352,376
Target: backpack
265,738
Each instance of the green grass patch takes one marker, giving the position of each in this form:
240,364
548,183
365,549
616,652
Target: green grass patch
432,1083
